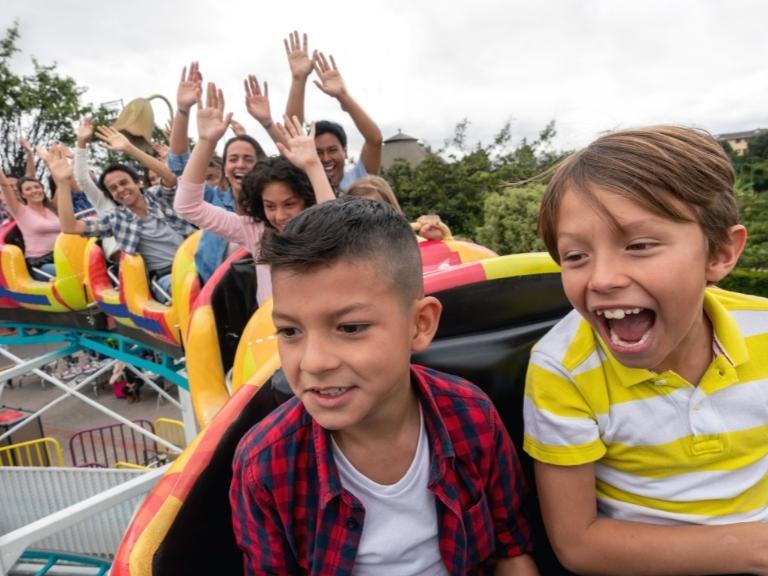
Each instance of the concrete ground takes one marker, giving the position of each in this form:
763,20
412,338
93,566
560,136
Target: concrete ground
71,414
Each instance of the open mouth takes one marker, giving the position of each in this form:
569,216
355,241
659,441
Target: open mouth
238,175
627,329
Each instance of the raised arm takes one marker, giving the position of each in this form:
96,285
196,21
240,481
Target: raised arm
332,84
61,171
301,67
257,104
117,142
94,194
187,94
588,544
29,153
10,197
300,151
212,124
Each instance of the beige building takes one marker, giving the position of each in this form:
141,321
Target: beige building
739,141
405,147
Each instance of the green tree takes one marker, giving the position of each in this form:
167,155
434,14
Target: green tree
42,106
510,220
455,183
754,214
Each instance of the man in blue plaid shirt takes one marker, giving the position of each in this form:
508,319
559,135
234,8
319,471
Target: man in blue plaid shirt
142,223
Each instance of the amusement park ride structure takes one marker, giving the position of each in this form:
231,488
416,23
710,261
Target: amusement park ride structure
219,350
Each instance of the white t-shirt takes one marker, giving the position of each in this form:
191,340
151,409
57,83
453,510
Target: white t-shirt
400,529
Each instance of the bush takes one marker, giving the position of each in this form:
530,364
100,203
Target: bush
746,281
510,219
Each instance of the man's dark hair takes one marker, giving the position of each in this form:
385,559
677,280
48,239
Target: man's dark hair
273,169
257,149
328,127
116,168
350,229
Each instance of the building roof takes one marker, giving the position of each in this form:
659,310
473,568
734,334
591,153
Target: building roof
740,135
400,137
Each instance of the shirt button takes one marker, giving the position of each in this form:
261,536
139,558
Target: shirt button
352,524
660,382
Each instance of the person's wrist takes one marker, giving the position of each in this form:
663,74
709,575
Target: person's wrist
182,111
267,125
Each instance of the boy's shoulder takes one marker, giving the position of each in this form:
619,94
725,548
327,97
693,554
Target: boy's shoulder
449,387
464,411
280,427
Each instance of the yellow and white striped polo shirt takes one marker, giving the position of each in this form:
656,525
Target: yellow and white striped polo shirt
664,451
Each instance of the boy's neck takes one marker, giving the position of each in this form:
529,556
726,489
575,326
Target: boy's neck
383,450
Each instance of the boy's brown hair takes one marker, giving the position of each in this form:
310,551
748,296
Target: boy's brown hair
646,166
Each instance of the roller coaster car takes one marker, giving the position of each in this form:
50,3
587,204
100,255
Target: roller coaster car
132,305
493,312
64,293
218,317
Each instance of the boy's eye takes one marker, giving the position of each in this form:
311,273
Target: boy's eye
639,246
573,257
353,328
287,332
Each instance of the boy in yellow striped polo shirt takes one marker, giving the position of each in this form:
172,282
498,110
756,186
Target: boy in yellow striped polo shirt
646,408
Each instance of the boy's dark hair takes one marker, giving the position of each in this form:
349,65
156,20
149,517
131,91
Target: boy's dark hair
350,229
328,127
116,168
268,171
258,150
648,166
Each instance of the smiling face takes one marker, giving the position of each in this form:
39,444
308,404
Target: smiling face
123,188
32,192
240,159
332,345
332,155
280,204
639,280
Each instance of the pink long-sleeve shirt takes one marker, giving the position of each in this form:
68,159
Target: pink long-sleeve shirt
39,232
237,228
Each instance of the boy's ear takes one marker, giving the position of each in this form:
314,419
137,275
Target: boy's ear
725,256
426,318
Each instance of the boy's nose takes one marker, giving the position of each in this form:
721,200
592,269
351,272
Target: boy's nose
317,356
607,274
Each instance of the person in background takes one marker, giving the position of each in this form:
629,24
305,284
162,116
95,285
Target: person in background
272,193
330,137
36,218
427,226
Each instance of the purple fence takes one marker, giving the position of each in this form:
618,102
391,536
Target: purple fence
105,446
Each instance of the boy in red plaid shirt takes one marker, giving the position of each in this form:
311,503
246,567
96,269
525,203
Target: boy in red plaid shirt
376,466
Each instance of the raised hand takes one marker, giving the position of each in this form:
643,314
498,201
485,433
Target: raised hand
26,145
211,121
113,140
331,81
190,88
237,128
58,164
296,146
84,131
256,102
298,56
161,150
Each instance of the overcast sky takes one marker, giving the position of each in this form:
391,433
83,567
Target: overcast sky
424,65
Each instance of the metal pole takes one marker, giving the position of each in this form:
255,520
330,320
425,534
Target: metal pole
59,384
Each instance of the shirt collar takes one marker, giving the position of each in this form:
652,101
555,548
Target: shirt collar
726,340
440,445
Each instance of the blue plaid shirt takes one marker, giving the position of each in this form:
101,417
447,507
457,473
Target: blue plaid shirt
126,226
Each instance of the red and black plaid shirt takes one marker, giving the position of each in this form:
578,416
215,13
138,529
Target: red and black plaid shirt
291,514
